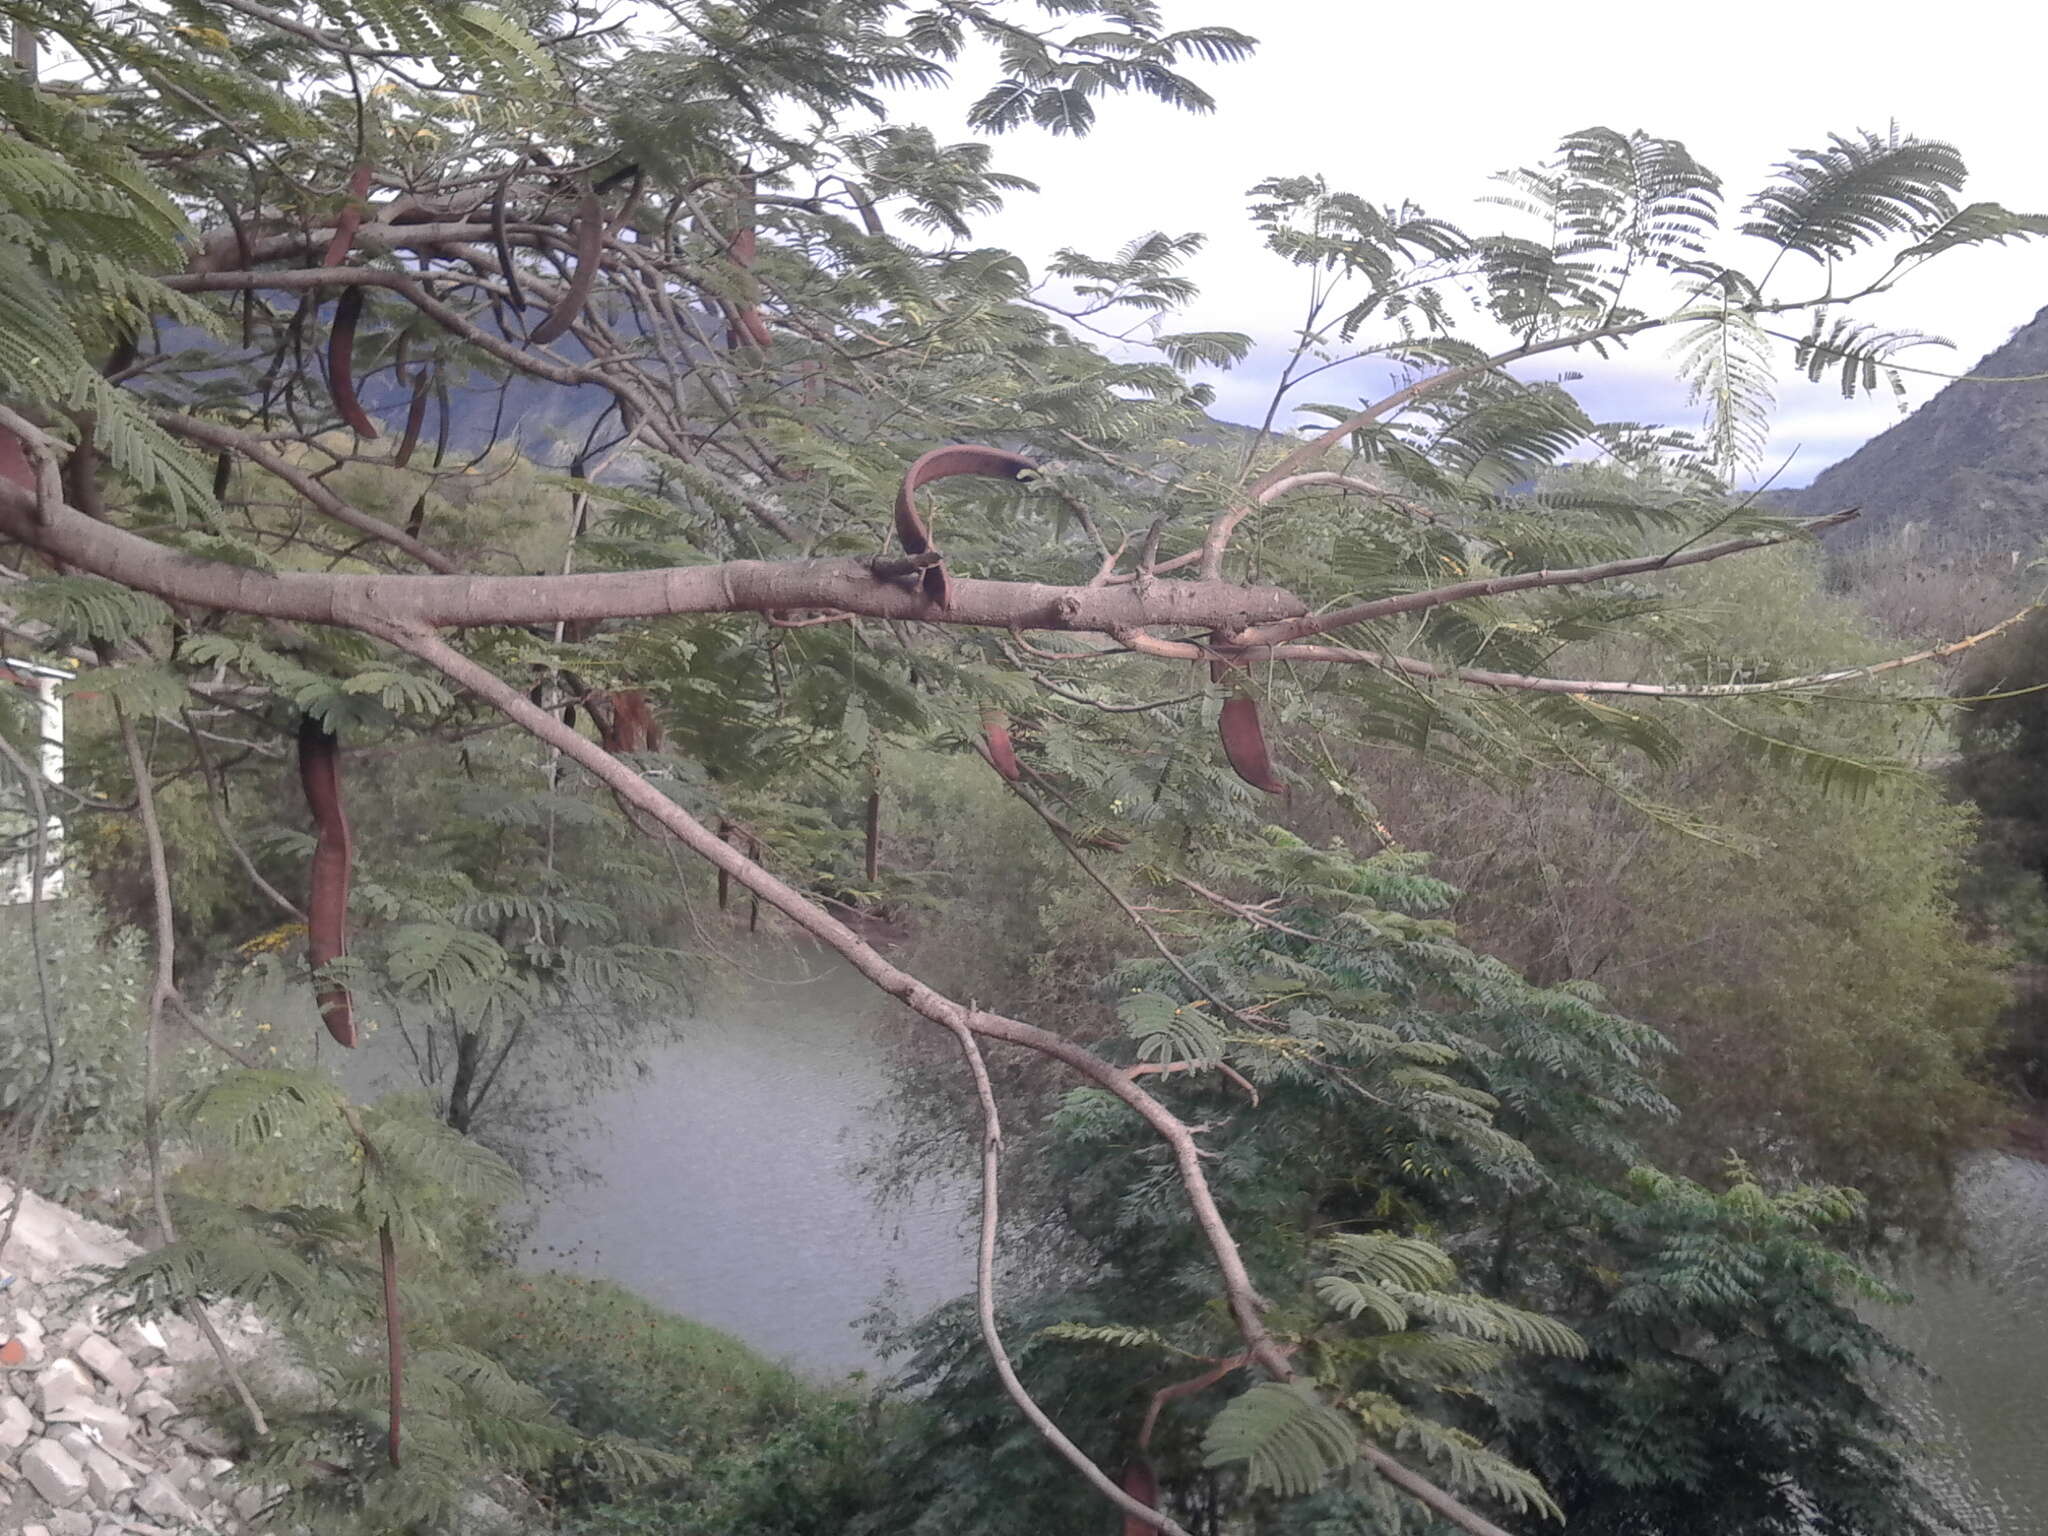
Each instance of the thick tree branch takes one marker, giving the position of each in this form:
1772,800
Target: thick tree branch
740,586
1240,1295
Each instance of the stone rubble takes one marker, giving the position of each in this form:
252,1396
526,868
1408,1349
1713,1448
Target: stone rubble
93,1440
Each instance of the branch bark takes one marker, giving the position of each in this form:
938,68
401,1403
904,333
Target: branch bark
1241,1297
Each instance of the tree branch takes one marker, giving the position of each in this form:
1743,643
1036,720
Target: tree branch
985,1309
1242,1298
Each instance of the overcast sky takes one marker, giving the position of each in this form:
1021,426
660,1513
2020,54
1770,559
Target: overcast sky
1427,102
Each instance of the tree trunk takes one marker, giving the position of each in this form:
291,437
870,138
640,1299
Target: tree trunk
469,1051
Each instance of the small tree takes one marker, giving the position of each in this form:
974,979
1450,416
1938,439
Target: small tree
254,252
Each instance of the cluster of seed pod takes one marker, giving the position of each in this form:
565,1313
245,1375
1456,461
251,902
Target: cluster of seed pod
1244,736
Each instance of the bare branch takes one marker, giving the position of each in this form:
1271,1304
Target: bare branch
985,1308
217,435
1528,581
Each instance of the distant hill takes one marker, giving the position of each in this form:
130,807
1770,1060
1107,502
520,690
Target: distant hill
1969,469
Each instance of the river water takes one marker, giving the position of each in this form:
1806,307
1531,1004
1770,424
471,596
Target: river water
724,1184
1981,1330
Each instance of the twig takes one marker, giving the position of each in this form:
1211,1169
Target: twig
161,990
220,825
39,855
985,1305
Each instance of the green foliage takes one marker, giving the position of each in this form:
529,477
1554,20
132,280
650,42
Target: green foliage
1429,1176
89,1094
1288,1437
294,1232
1424,1114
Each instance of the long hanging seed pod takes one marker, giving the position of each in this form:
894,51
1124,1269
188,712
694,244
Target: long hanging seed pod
350,219
341,364
724,879
415,417
1142,1484
394,1338
944,464
589,227
1244,738
743,248
507,268
333,856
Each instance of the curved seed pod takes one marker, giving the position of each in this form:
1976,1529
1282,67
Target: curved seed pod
341,364
944,464
1002,753
873,865
514,294
1142,1484
350,219
1244,743
333,855
394,1339
415,417
1244,738
743,248
869,218
589,226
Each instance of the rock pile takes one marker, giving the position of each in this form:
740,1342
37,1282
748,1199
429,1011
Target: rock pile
93,1441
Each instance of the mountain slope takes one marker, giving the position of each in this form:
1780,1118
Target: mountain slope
1969,468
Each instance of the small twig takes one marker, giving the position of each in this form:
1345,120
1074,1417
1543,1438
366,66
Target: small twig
1187,1388
985,1302
1248,913
39,855
214,788
1157,1068
163,989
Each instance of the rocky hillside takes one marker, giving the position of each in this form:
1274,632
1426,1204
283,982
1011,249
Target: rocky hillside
1969,469
93,1438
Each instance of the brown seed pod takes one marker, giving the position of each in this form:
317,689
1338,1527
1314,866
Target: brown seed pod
870,219
873,864
333,856
1244,738
1002,752
1244,743
507,268
589,227
394,1338
415,417
350,219
341,364
944,464
1142,1484
631,726
744,246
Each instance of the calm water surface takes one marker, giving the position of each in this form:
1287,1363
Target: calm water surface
724,1182
1982,1329
725,1187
